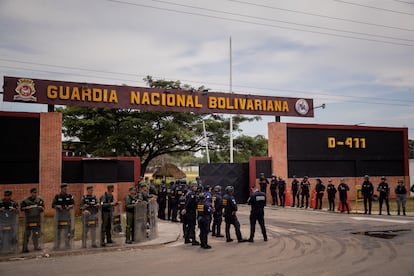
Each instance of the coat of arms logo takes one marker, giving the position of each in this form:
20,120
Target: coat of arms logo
25,90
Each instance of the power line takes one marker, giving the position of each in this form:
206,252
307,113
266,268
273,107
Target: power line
372,7
319,93
261,24
282,21
405,2
322,16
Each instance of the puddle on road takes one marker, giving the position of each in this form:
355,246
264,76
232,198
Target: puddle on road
383,234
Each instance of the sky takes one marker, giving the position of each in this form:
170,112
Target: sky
354,56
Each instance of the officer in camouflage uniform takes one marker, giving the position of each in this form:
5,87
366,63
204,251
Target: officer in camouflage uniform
107,205
33,207
130,203
89,206
8,223
63,203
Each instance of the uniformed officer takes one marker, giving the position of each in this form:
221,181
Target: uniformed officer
295,191
282,191
218,212
189,213
320,189
331,190
162,200
204,211
230,217
305,188
257,200
401,193
172,201
343,189
263,182
108,202
384,191
8,223
63,202
130,203
200,186
89,206
367,191
33,207
273,190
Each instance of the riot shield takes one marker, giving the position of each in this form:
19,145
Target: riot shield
152,219
140,223
64,229
91,230
116,221
33,228
9,222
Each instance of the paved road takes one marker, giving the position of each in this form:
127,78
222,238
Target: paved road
301,242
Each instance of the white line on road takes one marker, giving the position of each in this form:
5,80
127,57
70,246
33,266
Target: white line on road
383,220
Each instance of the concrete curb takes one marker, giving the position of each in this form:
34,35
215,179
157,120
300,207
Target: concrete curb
168,232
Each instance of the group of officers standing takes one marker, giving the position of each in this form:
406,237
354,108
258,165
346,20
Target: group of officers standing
301,193
197,204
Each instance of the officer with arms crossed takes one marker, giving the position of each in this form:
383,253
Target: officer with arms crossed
257,201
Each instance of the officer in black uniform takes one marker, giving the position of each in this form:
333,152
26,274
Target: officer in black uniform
107,203
90,209
384,191
331,190
204,211
171,199
64,201
230,217
305,188
162,200
295,191
190,215
282,191
367,191
33,207
218,212
320,189
263,182
257,201
343,189
273,190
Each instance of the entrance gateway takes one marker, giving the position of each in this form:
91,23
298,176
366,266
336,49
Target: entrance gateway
294,149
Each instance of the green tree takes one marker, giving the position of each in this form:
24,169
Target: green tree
410,149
